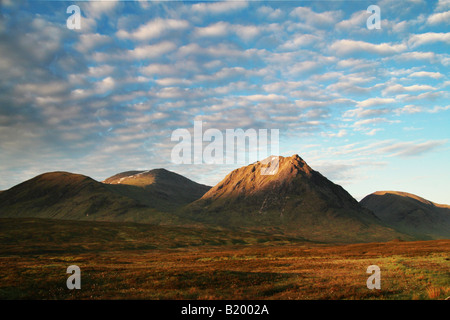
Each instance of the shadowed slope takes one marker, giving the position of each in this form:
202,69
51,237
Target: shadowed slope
410,213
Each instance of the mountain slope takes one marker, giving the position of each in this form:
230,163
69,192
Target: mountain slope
64,195
158,188
296,200
410,213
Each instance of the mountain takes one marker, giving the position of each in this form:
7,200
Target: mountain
65,195
410,213
159,188
296,200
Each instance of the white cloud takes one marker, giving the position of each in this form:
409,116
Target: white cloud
214,30
154,29
434,75
299,41
373,131
437,18
138,53
365,122
398,88
42,88
442,5
101,71
247,32
169,82
364,113
219,7
151,50
91,40
270,12
262,97
374,102
312,18
344,47
356,21
438,109
341,133
416,40
409,149
97,8
303,67
410,109
417,55
220,29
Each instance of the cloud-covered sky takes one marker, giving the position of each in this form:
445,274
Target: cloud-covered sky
369,109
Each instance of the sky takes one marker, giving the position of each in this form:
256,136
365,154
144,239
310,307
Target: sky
368,108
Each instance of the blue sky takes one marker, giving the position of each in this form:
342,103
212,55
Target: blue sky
369,109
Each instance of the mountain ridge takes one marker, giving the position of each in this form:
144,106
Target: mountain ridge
410,213
296,201
71,196
411,195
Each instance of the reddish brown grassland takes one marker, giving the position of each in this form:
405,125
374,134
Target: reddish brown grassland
132,261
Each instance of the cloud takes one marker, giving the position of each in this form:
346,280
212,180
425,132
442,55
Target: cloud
365,113
417,40
398,88
420,74
356,22
388,148
96,9
341,133
219,7
312,18
138,53
409,109
346,47
439,109
442,5
221,29
217,29
262,97
299,41
269,12
154,29
371,102
92,40
437,18
417,55
366,122
411,149
373,131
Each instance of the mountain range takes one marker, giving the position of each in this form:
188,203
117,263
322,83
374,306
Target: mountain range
296,201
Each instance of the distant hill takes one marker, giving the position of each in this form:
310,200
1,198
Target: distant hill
159,188
410,213
296,200
64,195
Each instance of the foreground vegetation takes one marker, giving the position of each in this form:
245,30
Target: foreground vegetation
135,261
